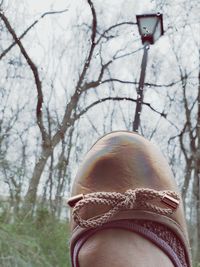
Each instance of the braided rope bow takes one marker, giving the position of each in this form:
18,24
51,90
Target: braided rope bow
131,199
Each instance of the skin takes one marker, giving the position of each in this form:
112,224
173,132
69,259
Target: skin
118,248
117,162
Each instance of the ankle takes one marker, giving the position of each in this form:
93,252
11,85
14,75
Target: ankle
116,248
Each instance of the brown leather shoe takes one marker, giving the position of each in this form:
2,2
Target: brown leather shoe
124,182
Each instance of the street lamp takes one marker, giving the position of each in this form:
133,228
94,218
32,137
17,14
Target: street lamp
150,27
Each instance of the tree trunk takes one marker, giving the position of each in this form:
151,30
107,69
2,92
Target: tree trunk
30,198
196,194
197,173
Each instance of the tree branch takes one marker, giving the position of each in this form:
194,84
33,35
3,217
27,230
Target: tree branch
126,54
34,69
68,118
116,99
103,35
92,47
3,54
96,83
146,84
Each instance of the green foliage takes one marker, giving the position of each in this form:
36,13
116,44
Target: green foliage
38,243
41,242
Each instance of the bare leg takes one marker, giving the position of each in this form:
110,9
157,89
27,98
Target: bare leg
119,248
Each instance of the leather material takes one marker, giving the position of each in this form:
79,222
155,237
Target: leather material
125,160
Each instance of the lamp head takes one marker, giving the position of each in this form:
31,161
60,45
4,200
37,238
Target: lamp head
150,27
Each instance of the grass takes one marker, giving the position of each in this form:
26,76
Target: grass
38,243
42,242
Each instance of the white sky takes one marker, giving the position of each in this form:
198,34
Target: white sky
111,8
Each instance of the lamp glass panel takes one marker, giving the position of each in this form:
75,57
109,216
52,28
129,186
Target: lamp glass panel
147,25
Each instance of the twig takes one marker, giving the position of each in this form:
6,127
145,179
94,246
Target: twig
114,26
29,28
117,99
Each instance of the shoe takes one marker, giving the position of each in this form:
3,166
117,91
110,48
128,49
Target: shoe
124,182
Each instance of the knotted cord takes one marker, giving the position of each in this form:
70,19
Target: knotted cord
132,199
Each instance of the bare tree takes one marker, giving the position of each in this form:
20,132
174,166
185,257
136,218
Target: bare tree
72,112
101,86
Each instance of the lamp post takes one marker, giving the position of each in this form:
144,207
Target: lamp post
150,28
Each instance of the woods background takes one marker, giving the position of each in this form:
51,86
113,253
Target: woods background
69,74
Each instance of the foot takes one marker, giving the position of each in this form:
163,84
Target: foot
119,248
116,163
